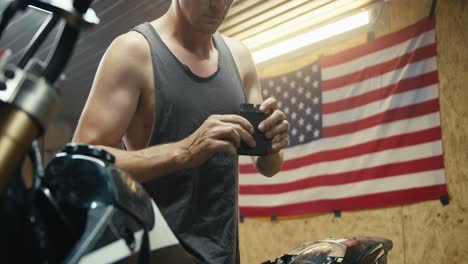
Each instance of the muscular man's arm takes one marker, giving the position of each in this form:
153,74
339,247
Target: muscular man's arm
276,126
112,103
124,72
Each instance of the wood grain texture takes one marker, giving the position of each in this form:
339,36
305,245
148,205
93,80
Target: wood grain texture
433,233
424,232
262,239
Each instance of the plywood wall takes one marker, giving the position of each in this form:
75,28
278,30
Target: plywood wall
422,233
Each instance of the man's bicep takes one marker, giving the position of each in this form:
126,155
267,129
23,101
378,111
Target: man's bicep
105,117
247,70
250,78
112,101
253,89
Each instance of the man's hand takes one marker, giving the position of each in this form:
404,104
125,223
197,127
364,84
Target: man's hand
219,133
276,126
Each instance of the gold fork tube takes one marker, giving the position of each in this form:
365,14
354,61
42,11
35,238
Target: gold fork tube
17,131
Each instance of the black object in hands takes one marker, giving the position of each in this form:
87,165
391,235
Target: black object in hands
253,114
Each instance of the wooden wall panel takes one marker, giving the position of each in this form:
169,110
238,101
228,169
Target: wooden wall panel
262,239
422,233
433,233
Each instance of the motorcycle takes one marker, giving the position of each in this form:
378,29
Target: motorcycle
352,250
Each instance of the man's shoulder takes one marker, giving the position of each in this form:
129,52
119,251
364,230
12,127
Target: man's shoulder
127,59
132,43
236,46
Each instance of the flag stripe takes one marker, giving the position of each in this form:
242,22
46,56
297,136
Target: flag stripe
382,56
388,170
394,102
406,181
389,116
376,70
382,93
379,44
375,83
348,204
384,157
403,140
342,142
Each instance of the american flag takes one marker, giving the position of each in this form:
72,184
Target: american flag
364,129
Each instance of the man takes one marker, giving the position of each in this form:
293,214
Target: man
171,90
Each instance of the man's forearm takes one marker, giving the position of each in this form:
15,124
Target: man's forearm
150,163
269,165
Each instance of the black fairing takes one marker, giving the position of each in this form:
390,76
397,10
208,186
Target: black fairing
355,250
79,180
86,197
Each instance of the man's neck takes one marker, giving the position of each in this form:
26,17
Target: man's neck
179,30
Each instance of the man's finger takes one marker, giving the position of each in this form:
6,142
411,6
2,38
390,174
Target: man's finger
237,119
280,128
280,145
226,133
269,105
279,137
272,120
245,136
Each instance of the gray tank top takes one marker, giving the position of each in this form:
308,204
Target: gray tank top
199,204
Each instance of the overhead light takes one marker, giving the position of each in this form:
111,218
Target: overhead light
299,23
327,31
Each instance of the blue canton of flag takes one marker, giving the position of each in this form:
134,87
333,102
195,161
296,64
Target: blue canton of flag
299,96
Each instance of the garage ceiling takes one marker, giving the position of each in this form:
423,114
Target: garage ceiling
260,23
